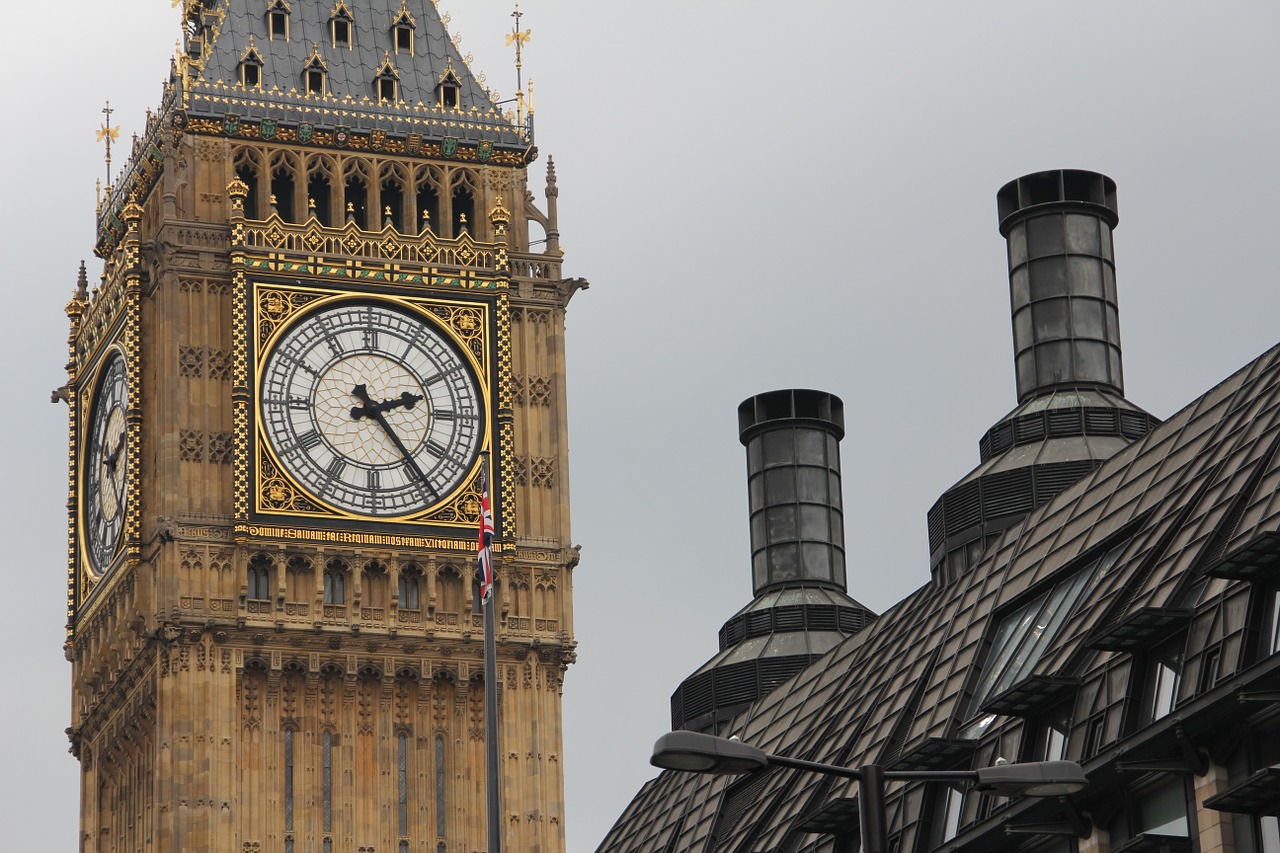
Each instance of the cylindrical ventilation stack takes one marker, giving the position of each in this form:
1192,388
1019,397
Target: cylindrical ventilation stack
793,479
800,610
1072,414
1062,280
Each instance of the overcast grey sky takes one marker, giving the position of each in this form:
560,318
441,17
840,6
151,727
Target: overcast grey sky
763,195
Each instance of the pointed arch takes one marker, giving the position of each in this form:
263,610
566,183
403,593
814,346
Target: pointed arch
355,192
393,180
286,167
322,179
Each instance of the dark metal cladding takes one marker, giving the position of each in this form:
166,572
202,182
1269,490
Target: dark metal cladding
793,479
1072,414
1062,280
800,610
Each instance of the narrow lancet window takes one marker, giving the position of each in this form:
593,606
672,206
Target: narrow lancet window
288,791
402,763
440,803
326,783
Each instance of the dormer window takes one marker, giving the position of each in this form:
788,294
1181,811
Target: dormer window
314,73
448,87
278,20
341,25
402,28
386,81
251,67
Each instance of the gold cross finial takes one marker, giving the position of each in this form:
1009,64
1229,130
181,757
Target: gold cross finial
108,134
519,39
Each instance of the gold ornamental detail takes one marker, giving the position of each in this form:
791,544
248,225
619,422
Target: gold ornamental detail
275,307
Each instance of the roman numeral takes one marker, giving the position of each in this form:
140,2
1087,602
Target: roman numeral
309,440
375,479
336,466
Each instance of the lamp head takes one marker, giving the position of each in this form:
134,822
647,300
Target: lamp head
696,752
1033,779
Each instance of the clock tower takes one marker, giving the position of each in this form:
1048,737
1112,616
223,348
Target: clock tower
321,322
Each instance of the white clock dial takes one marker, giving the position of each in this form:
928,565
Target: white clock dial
106,484
371,409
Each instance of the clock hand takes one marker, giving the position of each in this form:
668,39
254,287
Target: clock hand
361,392
114,456
405,399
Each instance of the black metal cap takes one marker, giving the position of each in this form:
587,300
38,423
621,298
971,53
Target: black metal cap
1062,281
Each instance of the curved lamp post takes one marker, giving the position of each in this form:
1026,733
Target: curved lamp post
702,753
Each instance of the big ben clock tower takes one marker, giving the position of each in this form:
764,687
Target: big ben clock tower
319,324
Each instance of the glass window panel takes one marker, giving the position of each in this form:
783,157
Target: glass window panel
1048,278
1163,811
811,446
1091,360
1269,833
778,448
1044,236
1022,327
780,486
783,563
837,568
833,452
782,523
837,528
1274,645
1086,318
1085,275
755,456
952,801
1017,244
1053,362
1164,689
817,560
760,568
755,487
835,498
1055,747
814,522
1050,319
813,484
1082,234
757,530
1019,288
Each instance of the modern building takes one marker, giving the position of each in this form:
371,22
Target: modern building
1104,588
329,303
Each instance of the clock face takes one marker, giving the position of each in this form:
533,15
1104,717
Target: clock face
106,486
371,409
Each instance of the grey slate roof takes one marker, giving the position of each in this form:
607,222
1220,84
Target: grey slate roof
235,25
1195,489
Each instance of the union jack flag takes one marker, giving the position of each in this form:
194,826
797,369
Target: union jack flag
485,545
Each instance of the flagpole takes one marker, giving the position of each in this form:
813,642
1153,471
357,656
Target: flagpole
492,779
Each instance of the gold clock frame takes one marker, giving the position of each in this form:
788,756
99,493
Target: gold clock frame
272,496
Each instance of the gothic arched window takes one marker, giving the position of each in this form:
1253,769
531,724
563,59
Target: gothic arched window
259,578
409,590
335,583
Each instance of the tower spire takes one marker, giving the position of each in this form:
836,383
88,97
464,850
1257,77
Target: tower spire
108,134
519,39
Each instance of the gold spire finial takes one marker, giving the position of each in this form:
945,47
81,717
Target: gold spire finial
108,134
519,39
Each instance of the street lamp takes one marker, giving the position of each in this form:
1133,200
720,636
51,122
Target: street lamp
702,753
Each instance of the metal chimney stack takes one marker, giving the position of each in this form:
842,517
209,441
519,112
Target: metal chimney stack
1072,414
1062,281
800,610
793,480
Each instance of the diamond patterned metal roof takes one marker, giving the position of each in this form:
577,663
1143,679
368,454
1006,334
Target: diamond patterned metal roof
1207,476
